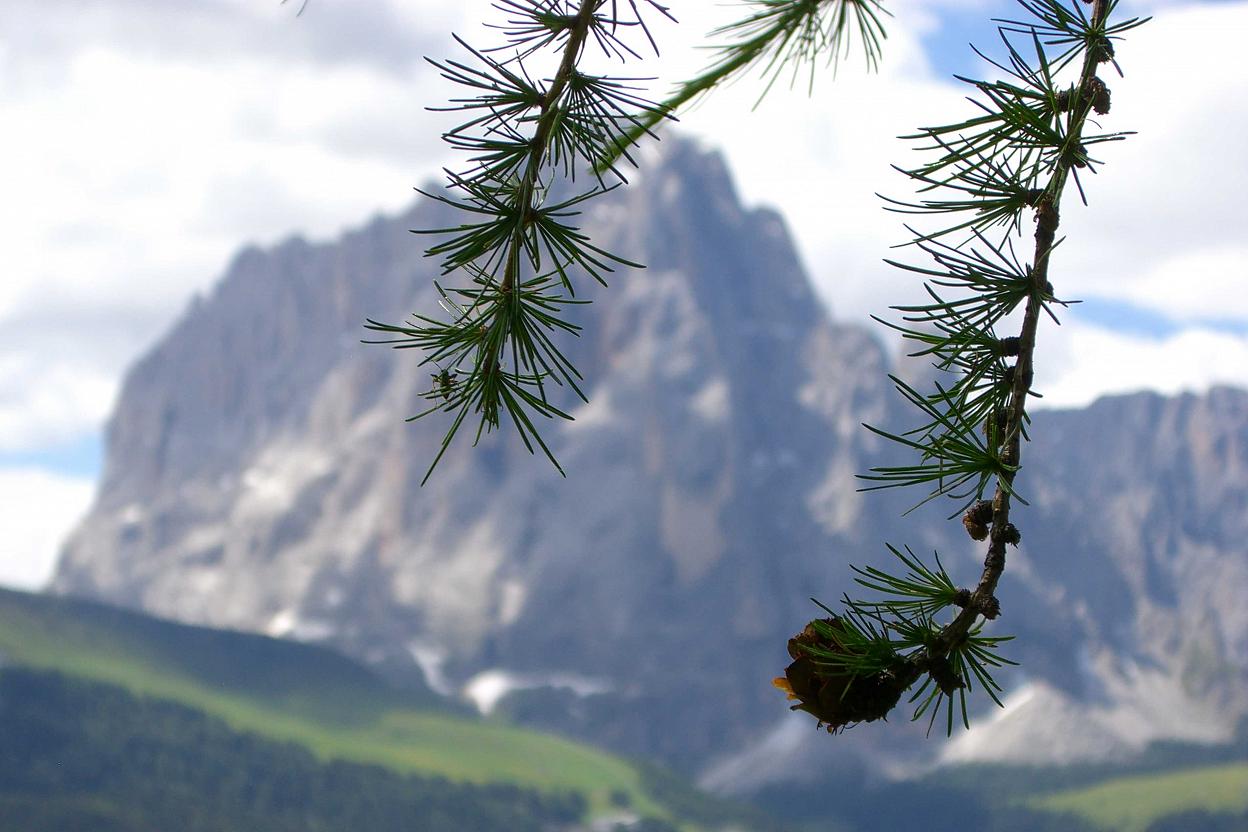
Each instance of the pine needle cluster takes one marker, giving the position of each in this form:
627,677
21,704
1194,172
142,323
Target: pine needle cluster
516,253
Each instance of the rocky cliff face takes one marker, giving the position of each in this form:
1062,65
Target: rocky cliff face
260,476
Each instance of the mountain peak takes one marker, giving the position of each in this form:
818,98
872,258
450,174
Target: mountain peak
261,476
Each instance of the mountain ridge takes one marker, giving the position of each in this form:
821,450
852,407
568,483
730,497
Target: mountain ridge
710,492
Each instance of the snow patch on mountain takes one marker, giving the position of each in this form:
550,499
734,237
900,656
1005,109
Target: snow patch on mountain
486,689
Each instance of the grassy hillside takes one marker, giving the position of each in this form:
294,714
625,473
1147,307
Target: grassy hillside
302,694
82,755
1133,804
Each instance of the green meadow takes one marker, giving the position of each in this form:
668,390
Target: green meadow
301,694
1131,804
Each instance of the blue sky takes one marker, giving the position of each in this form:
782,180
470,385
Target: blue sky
150,140
80,456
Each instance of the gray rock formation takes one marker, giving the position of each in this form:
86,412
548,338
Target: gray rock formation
260,476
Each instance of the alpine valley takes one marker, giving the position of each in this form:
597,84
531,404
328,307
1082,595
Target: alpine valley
260,476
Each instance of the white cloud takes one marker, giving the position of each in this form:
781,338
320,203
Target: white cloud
137,173
1077,363
44,405
388,35
1175,189
1200,284
37,511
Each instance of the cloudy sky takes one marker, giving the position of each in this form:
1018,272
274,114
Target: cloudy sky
144,141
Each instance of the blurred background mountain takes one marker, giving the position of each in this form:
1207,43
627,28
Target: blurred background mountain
259,476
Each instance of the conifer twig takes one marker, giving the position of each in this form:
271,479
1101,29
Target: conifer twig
516,246
1017,156
983,600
